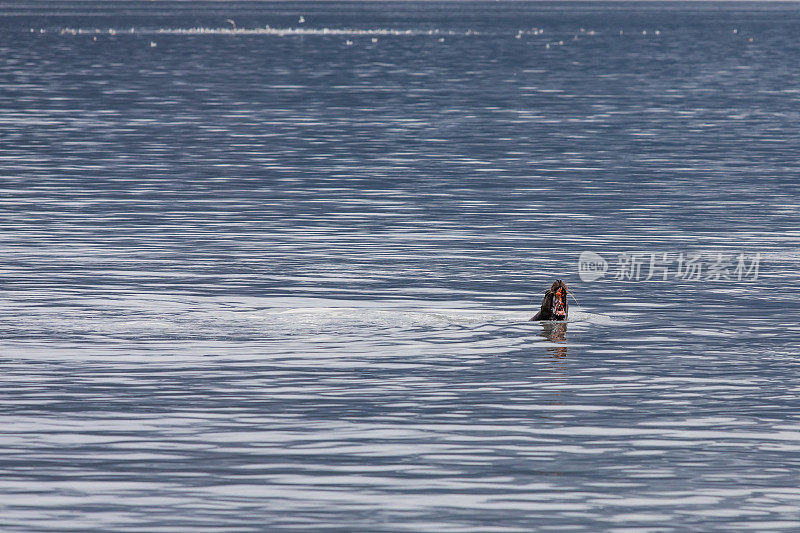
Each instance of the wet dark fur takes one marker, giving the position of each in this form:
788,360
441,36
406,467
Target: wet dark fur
545,313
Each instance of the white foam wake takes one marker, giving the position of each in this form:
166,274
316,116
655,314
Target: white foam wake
266,30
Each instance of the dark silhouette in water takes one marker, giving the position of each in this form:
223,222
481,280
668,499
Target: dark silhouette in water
554,304
556,332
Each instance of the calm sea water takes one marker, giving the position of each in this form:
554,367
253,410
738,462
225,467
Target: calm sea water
279,277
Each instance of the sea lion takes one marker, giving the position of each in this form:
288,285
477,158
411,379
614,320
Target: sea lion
554,304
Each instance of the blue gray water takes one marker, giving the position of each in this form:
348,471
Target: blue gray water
278,278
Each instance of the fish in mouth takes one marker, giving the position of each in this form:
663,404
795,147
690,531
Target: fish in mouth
559,304
554,304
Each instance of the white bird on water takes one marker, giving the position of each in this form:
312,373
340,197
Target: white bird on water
232,23
301,20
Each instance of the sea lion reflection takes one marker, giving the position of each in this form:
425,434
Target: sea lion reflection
555,332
